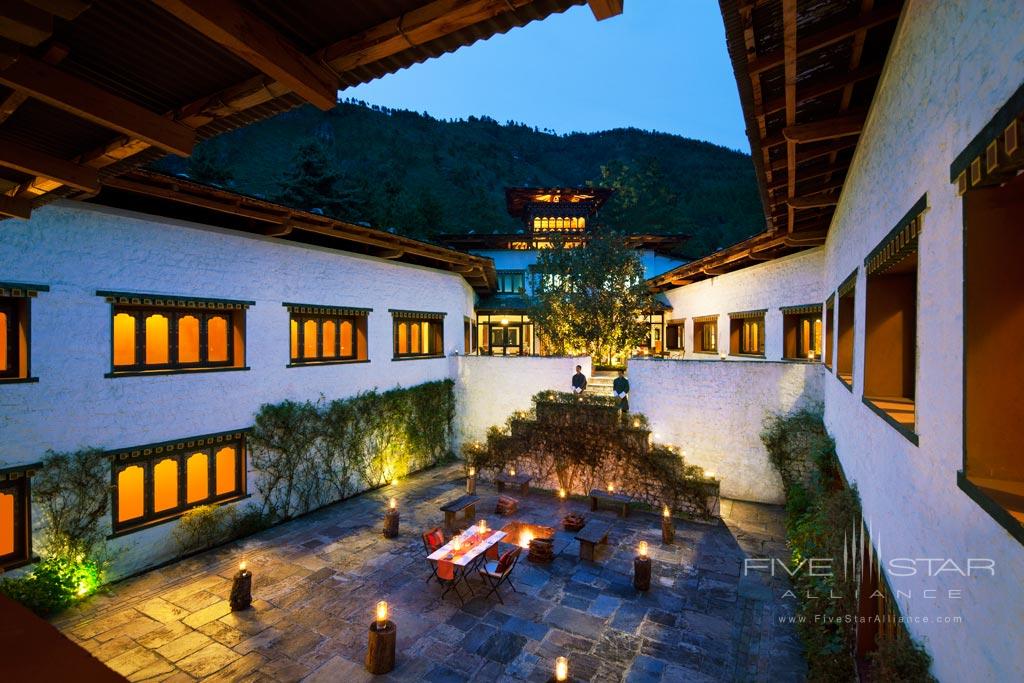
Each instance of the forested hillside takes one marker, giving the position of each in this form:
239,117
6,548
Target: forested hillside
422,176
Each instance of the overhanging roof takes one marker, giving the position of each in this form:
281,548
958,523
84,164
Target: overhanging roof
661,244
516,198
89,90
806,74
165,195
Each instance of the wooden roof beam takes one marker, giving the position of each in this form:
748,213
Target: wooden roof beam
827,129
431,21
390,253
68,93
227,23
803,175
827,37
605,9
24,23
789,51
67,10
27,160
14,207
823,86
808,153
813,201
8,105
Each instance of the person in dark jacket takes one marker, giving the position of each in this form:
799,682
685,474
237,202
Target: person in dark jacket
579,381
621,388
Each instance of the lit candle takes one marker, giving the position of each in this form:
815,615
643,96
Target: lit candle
457,543
611,488
561,669
561,493
382,614
482,527
525,537
242,566
511,471
472,471
665,512
810,355
643,549
392,503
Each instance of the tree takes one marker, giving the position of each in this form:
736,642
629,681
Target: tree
206,165
591,299
312,183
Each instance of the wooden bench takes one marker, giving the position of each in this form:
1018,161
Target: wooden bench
465,503
521,480
619,500
591,534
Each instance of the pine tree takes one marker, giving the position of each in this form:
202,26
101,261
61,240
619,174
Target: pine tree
207,166
313,184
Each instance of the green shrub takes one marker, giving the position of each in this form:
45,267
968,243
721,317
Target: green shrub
54,583
203,527
900,660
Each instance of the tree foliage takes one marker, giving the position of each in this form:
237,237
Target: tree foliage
592,299
312,182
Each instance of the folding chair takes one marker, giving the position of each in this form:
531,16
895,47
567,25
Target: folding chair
498,572
432,540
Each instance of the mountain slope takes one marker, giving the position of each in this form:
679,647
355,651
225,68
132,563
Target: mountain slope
422,176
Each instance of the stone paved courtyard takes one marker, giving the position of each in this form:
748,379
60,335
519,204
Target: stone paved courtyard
316,580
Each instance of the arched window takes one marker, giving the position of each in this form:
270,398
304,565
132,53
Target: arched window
197,478
295,338
124,339
165,485
403,338
188,339
4,322
330,340
415,343
345,331
217,339
157,334
227,470
130,496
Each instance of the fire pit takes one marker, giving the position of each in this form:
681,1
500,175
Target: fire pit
537,539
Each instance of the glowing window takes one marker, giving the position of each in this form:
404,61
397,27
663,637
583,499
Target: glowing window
197,478
157,332
227,479
346,338
188,339
414,345
6,523
295,339
418,337
309,339
165,485
217,339
403,338
330,341
4,321
124,339
130,493
536,224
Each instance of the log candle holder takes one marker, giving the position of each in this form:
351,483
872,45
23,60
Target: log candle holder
380,651
391,518
642,569
668,528
241,589
471,481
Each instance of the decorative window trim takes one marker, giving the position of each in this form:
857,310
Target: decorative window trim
175,308
299,314
435,321
996,153
316,309
419,315
742,315
150,454
22,289
900,241
698,334
804,309
705,318
18,477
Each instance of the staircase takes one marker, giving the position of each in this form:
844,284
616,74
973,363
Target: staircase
600,382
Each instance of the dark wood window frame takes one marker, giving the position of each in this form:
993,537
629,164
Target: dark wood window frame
511,282
174,308
16,305
830,326
740,325
16,482
793,320
891,339
675,335
149,456
435,326
846,310
300,314
705,329
992,414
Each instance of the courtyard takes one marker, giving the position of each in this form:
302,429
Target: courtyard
316,580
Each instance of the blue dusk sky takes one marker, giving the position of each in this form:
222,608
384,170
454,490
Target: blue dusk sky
661,65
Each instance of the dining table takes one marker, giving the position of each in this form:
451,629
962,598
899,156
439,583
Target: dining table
457,558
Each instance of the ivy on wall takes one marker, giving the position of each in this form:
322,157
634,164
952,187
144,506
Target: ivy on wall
309,454
820,509
580,443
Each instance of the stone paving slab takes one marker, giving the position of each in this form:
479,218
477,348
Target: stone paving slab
316,580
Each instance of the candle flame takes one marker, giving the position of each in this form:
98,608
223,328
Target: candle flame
457,543
392,503
525,537
611,488
242,566
511,471
382,613
643,549
561,669
666,512
561,493
482,527
472,471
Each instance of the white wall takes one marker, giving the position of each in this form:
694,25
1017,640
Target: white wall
490,388
791,281
78,249
714,410
952,66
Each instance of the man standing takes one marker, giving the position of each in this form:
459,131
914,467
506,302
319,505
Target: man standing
579,381
621,388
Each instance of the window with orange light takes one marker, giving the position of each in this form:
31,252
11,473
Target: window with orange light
175,477
327,334
418,334
15,522
15,309
147,335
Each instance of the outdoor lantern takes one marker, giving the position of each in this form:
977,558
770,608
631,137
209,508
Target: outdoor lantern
561,669
471,481
241,588
642,568
380,652
391,519
668,528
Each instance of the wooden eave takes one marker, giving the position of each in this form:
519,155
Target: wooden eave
516,198
164,195
91,89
